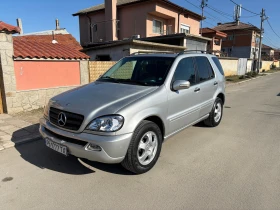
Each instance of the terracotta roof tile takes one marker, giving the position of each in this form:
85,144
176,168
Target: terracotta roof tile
266,47
234,26
32,49
8,27
65,39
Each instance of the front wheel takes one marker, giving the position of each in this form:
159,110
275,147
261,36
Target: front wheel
144,148
216,114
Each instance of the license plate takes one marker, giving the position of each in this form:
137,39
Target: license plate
56,147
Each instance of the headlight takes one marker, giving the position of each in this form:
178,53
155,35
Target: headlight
106,124
46,110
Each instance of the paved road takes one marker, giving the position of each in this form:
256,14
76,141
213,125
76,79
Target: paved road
234,166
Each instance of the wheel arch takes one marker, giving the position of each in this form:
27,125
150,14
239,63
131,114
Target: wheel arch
222,97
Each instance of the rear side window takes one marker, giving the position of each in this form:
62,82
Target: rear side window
205,71
218,64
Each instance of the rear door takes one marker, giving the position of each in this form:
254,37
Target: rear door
208,84
183,105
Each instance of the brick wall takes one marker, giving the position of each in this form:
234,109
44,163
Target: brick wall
97,68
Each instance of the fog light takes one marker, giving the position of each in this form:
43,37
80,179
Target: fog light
93,147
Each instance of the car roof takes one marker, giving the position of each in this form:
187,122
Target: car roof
169,55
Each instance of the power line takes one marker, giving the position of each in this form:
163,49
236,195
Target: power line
226,16
272,28
219,20
249,16
245,8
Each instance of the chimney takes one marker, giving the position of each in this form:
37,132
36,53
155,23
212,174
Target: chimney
19,24
111,20
219,24
57,24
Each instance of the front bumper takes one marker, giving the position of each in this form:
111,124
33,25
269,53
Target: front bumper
113,148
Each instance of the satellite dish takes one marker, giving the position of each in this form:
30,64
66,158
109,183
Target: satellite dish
54,42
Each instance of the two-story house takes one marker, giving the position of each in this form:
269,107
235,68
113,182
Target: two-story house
242,39
267,53
117,21
215,44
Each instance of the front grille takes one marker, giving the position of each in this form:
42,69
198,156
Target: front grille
70,140
73,122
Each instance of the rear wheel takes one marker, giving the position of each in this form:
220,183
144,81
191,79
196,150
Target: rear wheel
216,114
144,148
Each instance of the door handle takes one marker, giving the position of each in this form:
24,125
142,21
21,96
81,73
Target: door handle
197,89
215,83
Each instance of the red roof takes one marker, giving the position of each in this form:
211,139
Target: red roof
65,39
32,49
234,26
8,27
41,46
213,31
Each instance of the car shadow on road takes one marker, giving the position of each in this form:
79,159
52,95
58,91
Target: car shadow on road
36,153
200,125
110,168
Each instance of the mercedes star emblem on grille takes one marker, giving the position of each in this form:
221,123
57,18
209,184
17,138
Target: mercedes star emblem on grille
61,119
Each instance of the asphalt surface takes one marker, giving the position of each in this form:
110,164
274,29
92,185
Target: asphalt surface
233,166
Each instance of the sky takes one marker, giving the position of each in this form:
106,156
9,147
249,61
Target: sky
40,15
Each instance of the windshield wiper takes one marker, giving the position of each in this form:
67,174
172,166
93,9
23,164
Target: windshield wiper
123,81
134,82
109,79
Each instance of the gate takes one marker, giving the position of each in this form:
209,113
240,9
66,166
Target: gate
242,66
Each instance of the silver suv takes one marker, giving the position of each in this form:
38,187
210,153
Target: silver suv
125,116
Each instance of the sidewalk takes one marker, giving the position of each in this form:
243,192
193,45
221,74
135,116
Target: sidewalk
18,129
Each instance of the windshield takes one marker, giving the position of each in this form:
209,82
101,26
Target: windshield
148,71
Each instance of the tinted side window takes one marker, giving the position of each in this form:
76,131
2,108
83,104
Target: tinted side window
185,70
218,64
205,71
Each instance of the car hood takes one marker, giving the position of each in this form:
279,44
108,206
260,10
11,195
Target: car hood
99,98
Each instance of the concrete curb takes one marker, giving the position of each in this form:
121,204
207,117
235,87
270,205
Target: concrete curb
20,142
238,83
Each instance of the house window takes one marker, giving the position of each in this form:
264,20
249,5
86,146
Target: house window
217,42
157,26
231,37
185,29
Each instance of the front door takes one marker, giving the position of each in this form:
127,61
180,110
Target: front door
208,84
183,108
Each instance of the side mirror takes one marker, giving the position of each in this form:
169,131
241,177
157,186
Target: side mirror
180,84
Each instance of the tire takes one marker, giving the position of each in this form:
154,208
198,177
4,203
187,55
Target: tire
213,120
135,160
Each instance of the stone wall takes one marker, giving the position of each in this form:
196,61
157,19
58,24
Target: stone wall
18,101
7,74
33,99
84,72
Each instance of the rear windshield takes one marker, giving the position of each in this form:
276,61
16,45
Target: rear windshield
218,64
147,71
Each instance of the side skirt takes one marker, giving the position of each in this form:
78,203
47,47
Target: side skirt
195,122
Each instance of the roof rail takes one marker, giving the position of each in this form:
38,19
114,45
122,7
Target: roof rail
191,51
152,52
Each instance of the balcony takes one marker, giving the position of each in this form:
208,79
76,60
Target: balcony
98,30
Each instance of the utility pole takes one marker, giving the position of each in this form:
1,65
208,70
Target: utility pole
203,4
263,18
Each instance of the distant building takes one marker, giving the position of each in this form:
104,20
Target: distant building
267,52
242,39
277,54
215,44
158,21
